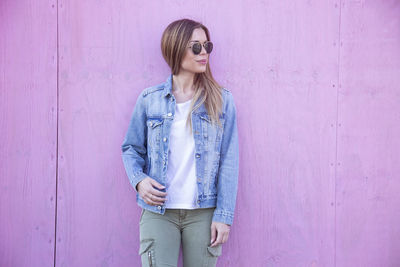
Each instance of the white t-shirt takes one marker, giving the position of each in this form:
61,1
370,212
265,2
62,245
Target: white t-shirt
181,186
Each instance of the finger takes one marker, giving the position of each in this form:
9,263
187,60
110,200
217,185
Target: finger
152,203
147,201
157,192
219,239
157,184
150,200
213,233
157,199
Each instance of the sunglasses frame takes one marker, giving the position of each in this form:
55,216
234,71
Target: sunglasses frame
203,45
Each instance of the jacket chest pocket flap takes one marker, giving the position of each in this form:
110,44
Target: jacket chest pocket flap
154,126
212,132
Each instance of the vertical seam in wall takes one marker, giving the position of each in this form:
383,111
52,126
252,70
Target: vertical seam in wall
57,83
337,121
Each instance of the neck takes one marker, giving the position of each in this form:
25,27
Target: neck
183,82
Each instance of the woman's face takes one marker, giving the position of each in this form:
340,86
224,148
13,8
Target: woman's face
190,61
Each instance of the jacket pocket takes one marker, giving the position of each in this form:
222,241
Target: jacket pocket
154,131
211,132
154,122
205,117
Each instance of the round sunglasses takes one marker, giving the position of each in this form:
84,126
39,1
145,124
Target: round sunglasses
196,47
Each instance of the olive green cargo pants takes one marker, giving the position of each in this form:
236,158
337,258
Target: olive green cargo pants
161,235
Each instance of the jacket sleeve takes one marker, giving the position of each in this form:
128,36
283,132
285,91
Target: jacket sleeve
134,146
228,170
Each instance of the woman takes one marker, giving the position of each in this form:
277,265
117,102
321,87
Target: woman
181,155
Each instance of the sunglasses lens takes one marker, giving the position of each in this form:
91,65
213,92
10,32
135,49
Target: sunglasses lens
196,47
209,47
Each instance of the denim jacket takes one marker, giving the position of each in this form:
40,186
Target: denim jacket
146,143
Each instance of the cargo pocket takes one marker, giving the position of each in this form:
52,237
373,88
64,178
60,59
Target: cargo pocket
215,251
212,256
146,251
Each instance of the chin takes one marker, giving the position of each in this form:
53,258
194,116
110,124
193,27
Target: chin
202,70
198,70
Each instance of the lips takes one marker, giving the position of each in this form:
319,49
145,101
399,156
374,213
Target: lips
202,61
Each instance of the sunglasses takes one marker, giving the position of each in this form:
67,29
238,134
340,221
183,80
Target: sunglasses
196,47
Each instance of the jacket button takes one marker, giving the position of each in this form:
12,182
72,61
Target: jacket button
165,139
197,156
159,207
198,180
169,114
198,201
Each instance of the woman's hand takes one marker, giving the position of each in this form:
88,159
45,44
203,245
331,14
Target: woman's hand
150,195
219,233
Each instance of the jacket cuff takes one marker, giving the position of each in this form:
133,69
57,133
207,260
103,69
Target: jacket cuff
136,178
223,216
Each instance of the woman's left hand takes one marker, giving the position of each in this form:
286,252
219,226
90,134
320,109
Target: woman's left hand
219,233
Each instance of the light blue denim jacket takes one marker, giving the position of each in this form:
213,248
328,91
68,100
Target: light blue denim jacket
146,144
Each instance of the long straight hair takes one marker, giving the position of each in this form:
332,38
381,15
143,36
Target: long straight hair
174,42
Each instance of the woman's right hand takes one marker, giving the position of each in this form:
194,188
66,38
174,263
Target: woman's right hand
149,194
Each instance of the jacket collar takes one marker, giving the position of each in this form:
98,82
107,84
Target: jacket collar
168,85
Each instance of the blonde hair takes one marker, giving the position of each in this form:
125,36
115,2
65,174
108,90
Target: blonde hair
174,42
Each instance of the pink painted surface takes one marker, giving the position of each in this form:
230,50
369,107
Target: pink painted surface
28,132
317,90
368,146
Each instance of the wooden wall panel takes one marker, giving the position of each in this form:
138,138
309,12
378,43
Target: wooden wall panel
368,165
284,75
28,132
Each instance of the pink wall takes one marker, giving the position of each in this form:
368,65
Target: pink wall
317,90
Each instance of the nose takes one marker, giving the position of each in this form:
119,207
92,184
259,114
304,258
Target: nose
203,50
